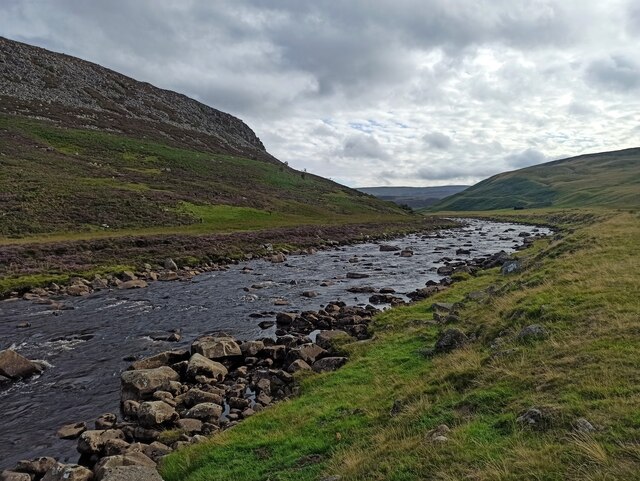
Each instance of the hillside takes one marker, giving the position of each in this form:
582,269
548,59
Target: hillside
85,149
610,179
414,197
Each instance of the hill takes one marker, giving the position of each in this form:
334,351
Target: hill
610,179
414,197
85,149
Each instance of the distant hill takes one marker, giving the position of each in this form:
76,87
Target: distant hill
414,197
84,149
609,179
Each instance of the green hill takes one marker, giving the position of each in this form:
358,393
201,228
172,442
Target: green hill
610,179
84,149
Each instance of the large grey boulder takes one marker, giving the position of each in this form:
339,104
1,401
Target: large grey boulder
166,358
199,365
14,476
93,442
326,339
155,414
205,412
216,347
132,473
15,366
134,458
68,472
142,383
329,364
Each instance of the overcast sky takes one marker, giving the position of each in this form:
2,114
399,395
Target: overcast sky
377,92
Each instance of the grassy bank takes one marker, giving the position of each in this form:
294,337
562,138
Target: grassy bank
583,289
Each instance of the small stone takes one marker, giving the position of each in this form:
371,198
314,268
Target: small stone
584,426
449,340
533,332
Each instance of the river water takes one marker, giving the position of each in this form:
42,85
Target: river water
86,346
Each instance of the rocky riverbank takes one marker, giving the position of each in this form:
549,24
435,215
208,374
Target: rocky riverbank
179,397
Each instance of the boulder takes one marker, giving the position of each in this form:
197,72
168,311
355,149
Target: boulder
278,258
157,450
78,290
170,265
531,333
15,366
406,253
200,365
216,347
93,442
68,472
71,431
166,358
205,412
285,318
133,458
38,467
326,339
190,425
133,284
106,421
155,414
307,352
329,364
14,476
142,383
251,348
298,365
388,248
511,267
449,340
196,396
357,275
132,473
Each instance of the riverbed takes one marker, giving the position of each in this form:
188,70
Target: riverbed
90,344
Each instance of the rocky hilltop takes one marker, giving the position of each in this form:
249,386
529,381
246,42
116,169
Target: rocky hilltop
38,83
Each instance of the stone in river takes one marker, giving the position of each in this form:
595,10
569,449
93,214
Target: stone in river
72,431
144,382
15,366
356,275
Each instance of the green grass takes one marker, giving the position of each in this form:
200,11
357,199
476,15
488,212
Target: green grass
609,179
584,288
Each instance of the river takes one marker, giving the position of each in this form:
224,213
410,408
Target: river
86,346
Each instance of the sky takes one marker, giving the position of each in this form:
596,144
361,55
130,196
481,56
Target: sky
377,92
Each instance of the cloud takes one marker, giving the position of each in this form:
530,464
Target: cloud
437,140
486,80
525,158
359,146
614,72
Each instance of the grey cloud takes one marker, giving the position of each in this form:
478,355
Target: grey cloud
525,158
437,140
614,72
361,146
496,72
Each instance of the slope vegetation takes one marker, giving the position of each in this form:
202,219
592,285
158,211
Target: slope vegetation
610,179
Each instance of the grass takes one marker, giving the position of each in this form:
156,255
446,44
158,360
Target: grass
609,179
583,288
